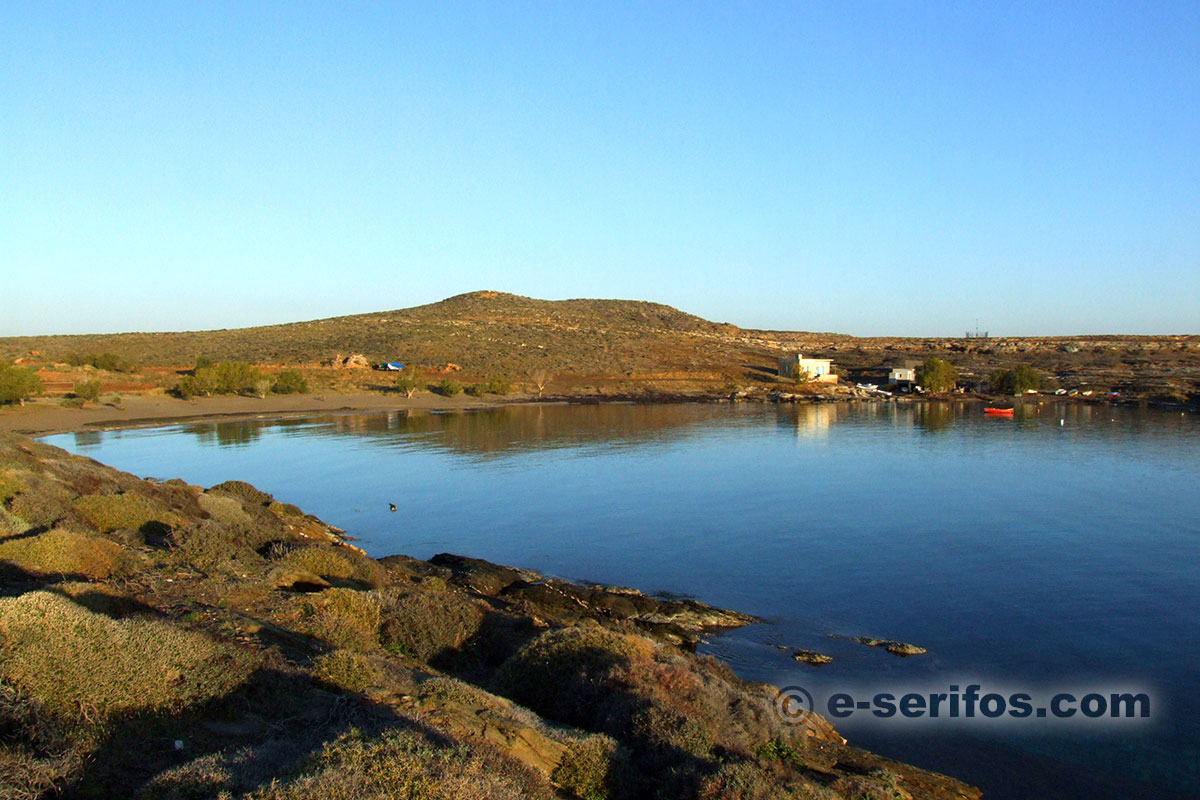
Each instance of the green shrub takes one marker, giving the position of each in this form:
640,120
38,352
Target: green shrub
587,766
321,561
498,384
18,384
936,375
346,618
426,624
65,552
110,362
1017,380
561,673
210,546
449,388
201,383
235,377
475,390
129,511
347,670
87,391
290,381
77,662
42,503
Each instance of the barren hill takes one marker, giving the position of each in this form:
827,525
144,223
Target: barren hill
498,333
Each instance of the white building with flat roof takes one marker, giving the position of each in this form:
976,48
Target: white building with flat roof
817,369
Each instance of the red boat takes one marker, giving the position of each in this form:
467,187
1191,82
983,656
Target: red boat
998,412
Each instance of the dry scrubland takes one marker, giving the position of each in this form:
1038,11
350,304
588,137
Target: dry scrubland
603,346
160,640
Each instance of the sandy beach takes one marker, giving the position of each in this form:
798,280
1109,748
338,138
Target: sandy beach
45,416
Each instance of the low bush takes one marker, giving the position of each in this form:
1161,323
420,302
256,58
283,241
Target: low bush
321,561
65,552
42,503
111,362
346,618
347,670
211,546
235,377
87,391
449,388
243,491
498,384
405,763
676,713
81,664
290,381
425,625
36,756
201,383
129,510
589,767
562,673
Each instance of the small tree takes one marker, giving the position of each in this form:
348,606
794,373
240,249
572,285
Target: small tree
449,388
17,384
541,378
937,375
87,391
1017,380
408,382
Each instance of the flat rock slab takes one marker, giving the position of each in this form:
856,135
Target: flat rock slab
892,646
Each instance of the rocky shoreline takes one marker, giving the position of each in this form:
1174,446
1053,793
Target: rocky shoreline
161,640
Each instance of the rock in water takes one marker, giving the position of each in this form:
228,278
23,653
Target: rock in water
892,646
811,657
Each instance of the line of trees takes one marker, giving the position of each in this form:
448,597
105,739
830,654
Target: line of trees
237,377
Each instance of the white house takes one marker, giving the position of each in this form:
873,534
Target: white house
903,375
817,369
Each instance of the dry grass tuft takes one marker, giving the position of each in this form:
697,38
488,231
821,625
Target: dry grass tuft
347,670
81,664
127,511
588,767
425,625
321,561
66,552
347,618
402,763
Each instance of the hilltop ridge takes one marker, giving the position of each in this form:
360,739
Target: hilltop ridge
492,332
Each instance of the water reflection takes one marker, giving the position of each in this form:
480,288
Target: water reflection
236,433
483,434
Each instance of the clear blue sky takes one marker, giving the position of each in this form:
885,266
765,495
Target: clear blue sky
869,168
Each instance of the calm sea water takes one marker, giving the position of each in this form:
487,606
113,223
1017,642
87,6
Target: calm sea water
1057,551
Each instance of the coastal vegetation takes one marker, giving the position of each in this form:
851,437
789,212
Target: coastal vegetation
1018,380
409,381
594,348
937,375
18,384
160,640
